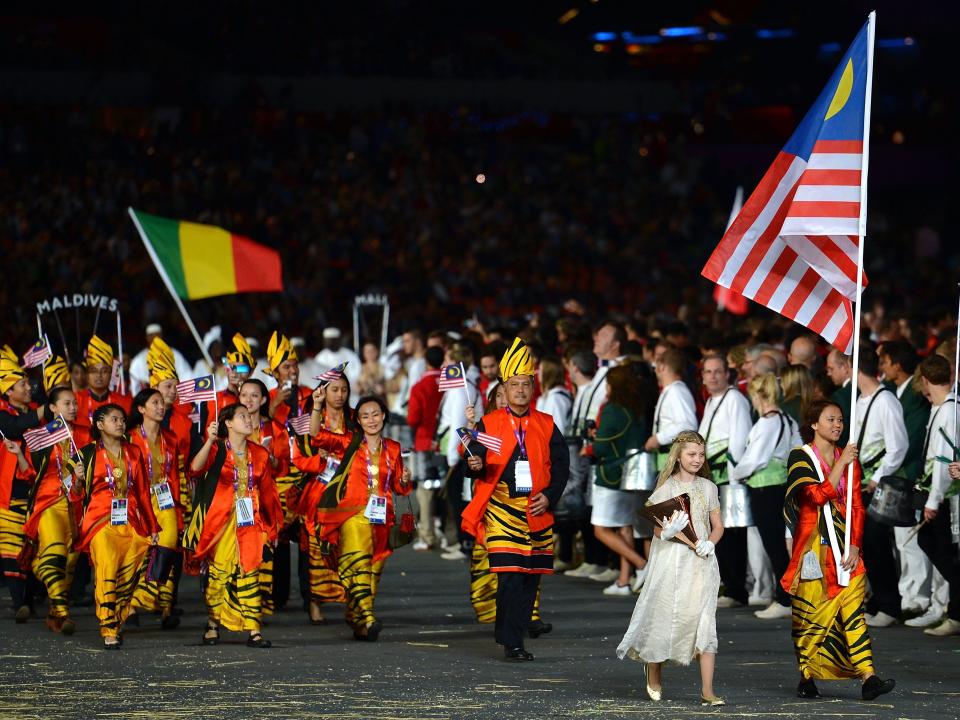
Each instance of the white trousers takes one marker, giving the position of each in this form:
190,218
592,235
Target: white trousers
759,571
915,571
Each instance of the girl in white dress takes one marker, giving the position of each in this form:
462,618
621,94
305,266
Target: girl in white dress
675,617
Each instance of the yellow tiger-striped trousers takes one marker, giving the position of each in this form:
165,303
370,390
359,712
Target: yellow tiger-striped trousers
232,596
325,585
12,538
830,635
116,554
56,560
483,587
153,596
358,573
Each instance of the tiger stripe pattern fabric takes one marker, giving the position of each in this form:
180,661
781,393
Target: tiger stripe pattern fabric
483,587
325,585
358,573
116,554
12,538
511,545
56,560
152,596
830,636
233,597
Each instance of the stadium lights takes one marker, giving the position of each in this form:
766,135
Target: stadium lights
604,37
775,34
688,31
632,39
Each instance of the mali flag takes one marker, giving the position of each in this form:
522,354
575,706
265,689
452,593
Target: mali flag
200,261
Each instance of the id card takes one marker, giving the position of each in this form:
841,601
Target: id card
522,477
244,512
118,511
164,496
67,481
330,470
810,568
376,511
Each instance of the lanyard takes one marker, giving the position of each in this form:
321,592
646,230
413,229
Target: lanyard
236,472
370,481
111,477
826,468
58,457
520,434
163,453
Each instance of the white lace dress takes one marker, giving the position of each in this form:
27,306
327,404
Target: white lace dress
676,614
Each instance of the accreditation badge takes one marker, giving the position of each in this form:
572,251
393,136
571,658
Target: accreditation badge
244,512
330,470
376,511
118,511
164,496
522,478
67,481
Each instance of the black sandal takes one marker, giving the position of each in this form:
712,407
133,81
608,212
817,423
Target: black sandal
256,640
215,638
115,645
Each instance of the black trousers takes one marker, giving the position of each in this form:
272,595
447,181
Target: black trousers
516,593
766,504
732,559
281,574
935,540
879,554
456,504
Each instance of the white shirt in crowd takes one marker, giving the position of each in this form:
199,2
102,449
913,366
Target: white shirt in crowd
885,435
557,403
327,359
726,424
580,408
414,368
772,437
140,373
939,424
676,412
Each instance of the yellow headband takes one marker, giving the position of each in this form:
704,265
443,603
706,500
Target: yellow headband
161,362
243,354
10,373
56,374
279,350
98,353
516,361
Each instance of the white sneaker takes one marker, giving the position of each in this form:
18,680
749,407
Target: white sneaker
454,555
757,601
605,576
881,619
725,601
421,546
931,617
617,589
584,571
945,629
774,611
639,576
561,565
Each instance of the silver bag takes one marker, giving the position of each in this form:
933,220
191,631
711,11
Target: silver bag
735,505
639,471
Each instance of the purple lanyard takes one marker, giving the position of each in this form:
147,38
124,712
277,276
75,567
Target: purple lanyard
163,452
520,435
111,483
236,473
370,483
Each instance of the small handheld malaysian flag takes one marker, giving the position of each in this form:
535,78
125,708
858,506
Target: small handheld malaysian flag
451,378
333,373
300,424
47,435
198,390
38,354
490,442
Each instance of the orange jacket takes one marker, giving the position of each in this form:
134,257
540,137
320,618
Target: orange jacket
170,472
311,460
98,495
304,402
267,511
539,429
9,467
87,403
48,464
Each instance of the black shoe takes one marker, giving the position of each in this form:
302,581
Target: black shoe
23,614
214,639
256,640
538,628
111,646
807,689
874,687
517,654
170,622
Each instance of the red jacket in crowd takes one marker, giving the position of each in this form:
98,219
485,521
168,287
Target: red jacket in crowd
423,410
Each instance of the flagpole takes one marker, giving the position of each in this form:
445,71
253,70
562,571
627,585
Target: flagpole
956,376
63,338
72,442
123,388
466,391
843,576
40,334
166,281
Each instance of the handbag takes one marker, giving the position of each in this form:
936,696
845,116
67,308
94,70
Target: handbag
404,527
735,505
639,471
893,502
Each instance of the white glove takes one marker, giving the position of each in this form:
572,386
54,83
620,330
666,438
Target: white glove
705,548
674,525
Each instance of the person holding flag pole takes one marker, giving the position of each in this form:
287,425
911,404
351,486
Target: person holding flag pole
797,247
56,500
